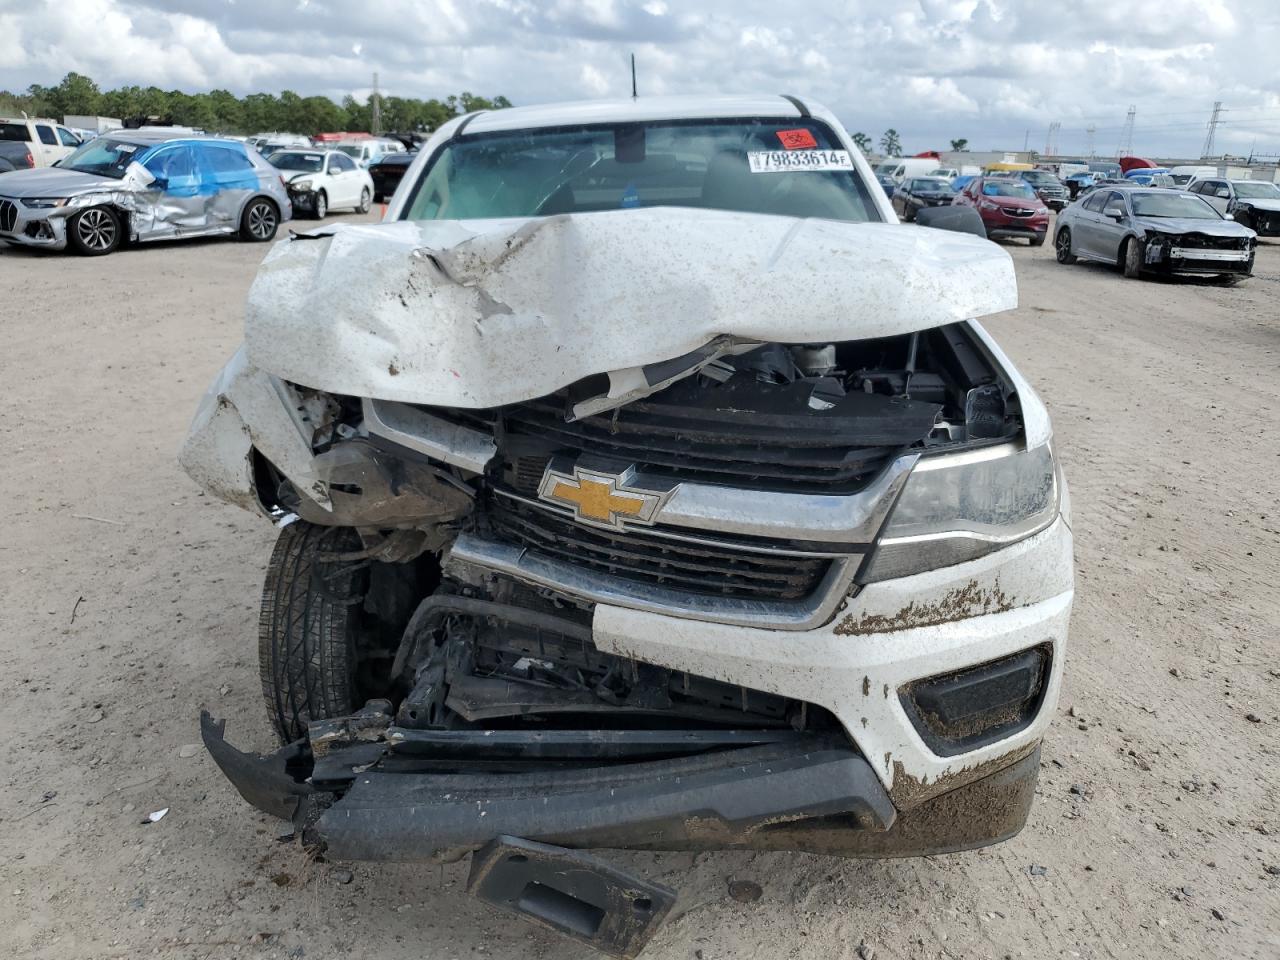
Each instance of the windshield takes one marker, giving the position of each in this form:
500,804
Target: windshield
1258,190
1183,205
886,169
794,168
289,160
352,150
105,157
931,185
1040,178
1008,188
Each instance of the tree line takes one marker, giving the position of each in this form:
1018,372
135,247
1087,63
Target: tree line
891,143
220,111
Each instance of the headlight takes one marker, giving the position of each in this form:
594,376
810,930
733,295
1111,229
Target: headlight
963,506
44,203
300,185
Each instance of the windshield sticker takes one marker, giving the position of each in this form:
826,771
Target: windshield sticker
125,147
785,161
797,139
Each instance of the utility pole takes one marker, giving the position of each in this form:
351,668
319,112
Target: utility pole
1213,126
1090,130
1051,143
375,102
1026,142
1126,135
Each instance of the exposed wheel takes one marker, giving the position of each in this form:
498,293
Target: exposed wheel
366,201
95,232
260,220
1131,257
1062,246
309,626
322,205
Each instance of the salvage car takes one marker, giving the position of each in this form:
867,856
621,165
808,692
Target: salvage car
140,185
322,180
387,172
1009,207
1251,203
1154,231
919,193
641,482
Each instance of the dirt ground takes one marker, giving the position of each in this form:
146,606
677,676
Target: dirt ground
129,601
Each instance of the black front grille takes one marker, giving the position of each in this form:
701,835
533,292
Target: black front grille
1019,212
1201,241
8,215
769,451
723,570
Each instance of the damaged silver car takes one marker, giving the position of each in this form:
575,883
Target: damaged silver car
143,185
641,483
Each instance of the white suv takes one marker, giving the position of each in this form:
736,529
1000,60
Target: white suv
47,140
642,483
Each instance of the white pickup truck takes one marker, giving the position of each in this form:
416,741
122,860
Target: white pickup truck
49,141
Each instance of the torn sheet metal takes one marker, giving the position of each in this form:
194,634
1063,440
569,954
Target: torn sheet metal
246,408
482,313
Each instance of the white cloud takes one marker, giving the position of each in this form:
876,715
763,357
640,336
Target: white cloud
987,70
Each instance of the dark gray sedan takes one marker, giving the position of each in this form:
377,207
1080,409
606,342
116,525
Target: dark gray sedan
1154,231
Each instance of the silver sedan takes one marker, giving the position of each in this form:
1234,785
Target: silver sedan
1154,231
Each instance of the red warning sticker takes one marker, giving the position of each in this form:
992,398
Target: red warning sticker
797,139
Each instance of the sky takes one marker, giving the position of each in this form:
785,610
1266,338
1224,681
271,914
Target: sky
996,72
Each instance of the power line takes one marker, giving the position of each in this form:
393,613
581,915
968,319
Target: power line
1213,126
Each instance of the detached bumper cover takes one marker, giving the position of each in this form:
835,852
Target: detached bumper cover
812,794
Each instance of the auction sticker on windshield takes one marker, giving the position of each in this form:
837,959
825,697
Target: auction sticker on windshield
783,161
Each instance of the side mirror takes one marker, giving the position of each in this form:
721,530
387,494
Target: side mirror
1224,194
1115,213
962,219
1229,216
140,175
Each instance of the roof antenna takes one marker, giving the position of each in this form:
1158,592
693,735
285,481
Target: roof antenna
633,76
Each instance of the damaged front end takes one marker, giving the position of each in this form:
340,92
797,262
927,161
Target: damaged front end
590,581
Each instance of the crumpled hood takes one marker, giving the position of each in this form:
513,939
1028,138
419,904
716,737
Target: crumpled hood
54,182
1210,228
483,313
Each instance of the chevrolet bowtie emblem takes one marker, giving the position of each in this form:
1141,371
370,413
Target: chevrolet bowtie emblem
600,497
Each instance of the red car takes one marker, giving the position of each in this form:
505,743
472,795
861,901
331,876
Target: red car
1008,206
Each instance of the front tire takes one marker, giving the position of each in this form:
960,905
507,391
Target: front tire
366,201
309,627
95,232
1131,258
322,205
260,221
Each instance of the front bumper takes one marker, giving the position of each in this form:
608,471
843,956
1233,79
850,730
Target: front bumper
28,227
809,795
304,200
1014,231
887,788
1170,258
